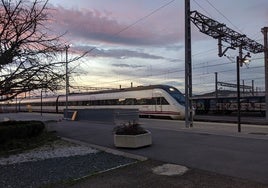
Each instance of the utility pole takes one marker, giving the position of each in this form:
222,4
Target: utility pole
188,67
216,86
265,31
216,90
238,63
252,90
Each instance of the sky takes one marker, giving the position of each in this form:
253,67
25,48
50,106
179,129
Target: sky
143,42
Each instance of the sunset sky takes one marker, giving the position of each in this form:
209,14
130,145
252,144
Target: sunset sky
142,41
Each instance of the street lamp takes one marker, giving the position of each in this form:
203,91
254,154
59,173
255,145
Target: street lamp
239,63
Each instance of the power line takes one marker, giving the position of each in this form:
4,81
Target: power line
202,8
140,19
204,52
144,17
223,15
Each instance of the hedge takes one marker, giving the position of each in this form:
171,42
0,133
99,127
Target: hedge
20,130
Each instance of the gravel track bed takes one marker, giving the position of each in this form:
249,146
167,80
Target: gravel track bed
51,164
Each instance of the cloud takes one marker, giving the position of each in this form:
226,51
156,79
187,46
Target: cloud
123,65
115,53
93,25
122,54
174,83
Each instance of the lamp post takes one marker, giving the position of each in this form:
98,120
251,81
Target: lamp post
238,93
239,63
67,81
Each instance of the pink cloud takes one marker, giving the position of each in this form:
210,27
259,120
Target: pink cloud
93,25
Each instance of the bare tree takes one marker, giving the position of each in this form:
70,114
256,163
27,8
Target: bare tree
28,51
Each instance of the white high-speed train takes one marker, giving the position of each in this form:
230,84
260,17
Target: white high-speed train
154,100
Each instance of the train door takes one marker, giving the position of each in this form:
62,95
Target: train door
157,98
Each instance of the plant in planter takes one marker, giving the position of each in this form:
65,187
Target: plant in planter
131,135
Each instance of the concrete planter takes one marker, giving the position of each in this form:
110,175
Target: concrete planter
133,141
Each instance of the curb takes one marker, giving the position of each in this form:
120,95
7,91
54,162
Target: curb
108,150
248,135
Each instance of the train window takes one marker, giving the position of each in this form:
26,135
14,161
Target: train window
94,103
142,101
100,102
244,100
164,101
129,101
121,101
161,101
85,103
178,97
79,103
149,101
254,100
61,103
212,104
106,102
52,104
113,102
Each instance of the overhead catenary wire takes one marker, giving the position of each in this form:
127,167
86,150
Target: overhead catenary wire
224,16
203,8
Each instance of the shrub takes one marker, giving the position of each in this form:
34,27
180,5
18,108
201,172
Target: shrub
20,130
129,129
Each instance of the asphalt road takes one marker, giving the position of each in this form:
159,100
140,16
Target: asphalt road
237,155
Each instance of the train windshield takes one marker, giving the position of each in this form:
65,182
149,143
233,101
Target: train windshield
176,94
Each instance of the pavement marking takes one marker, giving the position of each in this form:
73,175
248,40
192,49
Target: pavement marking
170,170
